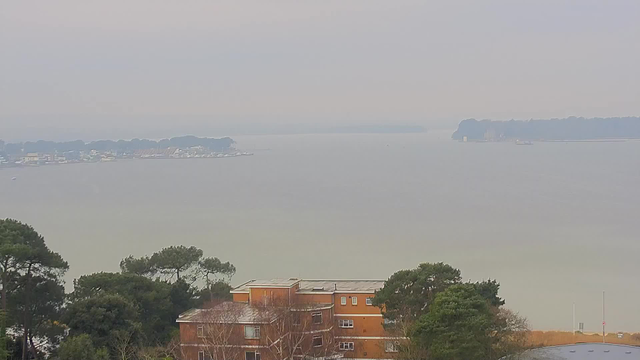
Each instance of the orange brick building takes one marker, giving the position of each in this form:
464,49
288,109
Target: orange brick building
290,318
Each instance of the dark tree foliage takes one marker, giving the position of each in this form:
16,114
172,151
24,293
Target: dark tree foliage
139,266
408,293
4,339
215,274
572,128
117,312
489,291
81,348
25,263
77,348
458,325
102,318
440,318
14,348
176,261
45,309
213,267
183,297
122,146
180,267
151,298
215,292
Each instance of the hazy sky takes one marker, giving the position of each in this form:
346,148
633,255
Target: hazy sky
109,69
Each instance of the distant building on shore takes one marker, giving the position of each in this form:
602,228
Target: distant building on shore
31,158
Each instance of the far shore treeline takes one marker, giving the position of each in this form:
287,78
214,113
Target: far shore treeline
572,128
182,142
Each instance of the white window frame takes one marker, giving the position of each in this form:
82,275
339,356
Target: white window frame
313,340
200,331
256,354
345,323
347,346
369,301
391,349
314,316
343,300
200,355
354,300
256,332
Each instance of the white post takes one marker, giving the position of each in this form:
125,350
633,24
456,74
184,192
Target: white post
603,319
573,322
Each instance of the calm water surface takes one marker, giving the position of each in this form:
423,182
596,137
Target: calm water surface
555,223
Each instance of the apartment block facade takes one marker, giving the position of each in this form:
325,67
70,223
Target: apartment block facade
282,318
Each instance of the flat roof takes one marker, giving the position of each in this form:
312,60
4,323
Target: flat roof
275,283
341,285
229,312
316,285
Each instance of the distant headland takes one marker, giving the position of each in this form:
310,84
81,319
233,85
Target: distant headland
49,152
568,129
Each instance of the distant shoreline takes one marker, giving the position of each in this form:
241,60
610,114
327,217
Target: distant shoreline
42,153
561,130
36,165
616,140
593,140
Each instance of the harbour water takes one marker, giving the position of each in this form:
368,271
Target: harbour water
555,223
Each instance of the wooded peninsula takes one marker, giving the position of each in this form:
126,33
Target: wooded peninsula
570,129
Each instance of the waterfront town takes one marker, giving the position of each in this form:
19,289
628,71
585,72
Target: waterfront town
29,154
35,159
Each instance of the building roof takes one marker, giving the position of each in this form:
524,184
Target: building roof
315,285
366,286
229,313
275,283
584,352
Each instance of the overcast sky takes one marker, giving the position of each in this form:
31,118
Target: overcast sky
149,68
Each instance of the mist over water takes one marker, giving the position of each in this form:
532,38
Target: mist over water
555,223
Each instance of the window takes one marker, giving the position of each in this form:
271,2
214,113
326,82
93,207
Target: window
347,346
201,355
345,323
251,355
317,341
316,318
200,331
389,321
369,301
391,346
343,300
354,300
252,332
296,319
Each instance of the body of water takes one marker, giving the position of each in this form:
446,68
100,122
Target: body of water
555,223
